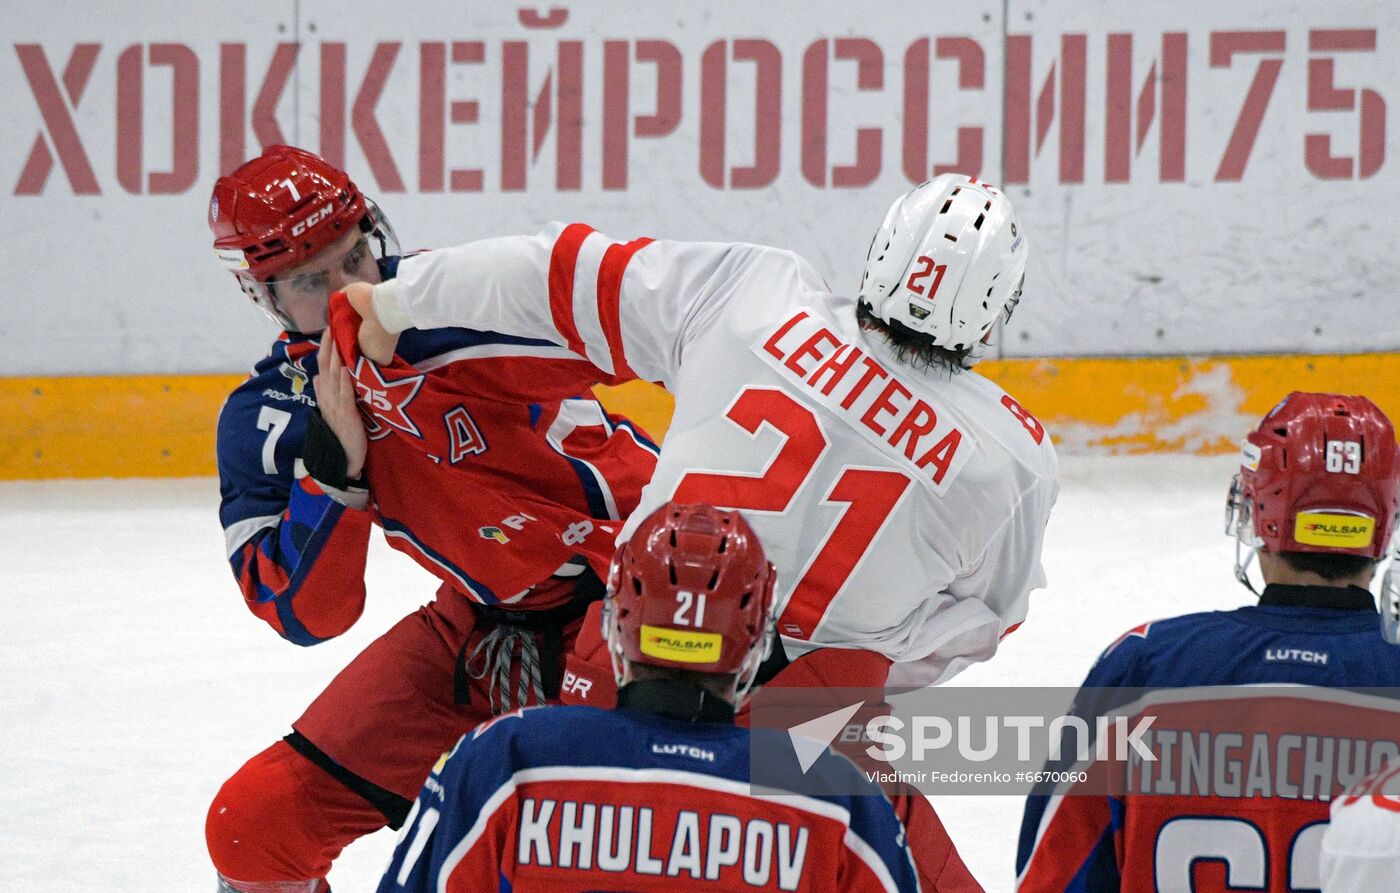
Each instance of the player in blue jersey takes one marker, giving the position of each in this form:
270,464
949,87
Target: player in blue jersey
1315,500
526,472
653,795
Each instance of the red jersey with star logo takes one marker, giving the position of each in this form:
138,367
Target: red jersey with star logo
491,464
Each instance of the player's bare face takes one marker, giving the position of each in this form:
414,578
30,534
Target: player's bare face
302,293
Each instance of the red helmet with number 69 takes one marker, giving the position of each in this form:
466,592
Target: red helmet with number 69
692,590
1321,473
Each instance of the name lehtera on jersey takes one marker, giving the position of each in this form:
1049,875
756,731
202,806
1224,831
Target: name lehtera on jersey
860,472
874,402
579,799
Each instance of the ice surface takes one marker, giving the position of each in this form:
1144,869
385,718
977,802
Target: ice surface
133,681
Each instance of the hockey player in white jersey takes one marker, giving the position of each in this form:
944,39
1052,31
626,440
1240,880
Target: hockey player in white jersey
902,498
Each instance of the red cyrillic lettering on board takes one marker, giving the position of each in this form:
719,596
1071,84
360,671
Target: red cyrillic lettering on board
1224,45
57,113
1018,116
1121,144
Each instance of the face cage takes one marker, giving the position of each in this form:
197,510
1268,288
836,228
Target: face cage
744,677
1239,522
378,231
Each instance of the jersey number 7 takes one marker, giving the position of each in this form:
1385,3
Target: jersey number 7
869,495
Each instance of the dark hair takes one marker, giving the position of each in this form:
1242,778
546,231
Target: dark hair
1328,565
910,347
717,682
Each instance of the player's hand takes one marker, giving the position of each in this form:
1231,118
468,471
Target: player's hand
335,397
375,342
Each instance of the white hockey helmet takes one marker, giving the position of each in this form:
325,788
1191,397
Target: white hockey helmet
949,260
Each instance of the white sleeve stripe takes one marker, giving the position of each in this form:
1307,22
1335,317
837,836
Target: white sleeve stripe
486,351
1052,806
574,414
483,818
585,308
866,853
237,534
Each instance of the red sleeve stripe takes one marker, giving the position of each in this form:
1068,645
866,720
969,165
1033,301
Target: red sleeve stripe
562,262
610,275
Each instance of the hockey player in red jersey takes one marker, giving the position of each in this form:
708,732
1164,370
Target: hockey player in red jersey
1252,737
654,795
516,497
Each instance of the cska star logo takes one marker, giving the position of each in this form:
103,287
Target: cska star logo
386,401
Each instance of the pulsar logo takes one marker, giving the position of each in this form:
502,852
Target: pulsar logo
311,220
680,645
493,533
1338,531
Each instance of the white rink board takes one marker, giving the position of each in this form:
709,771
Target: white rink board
1294,255
135,681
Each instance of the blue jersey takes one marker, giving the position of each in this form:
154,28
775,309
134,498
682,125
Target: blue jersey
1300,645
533,452
581,799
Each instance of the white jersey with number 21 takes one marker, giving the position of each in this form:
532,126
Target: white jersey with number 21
904,508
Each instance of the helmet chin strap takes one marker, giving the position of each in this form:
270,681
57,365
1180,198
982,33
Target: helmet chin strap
1239,523
1245,557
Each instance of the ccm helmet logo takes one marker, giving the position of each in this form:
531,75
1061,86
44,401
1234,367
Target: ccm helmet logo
312,219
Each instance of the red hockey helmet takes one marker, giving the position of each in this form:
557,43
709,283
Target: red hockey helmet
282,209
1321,473
691,590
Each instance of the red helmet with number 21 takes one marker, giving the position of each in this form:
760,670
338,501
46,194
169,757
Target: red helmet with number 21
691,590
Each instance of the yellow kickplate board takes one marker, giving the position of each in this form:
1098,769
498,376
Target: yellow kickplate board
163,426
